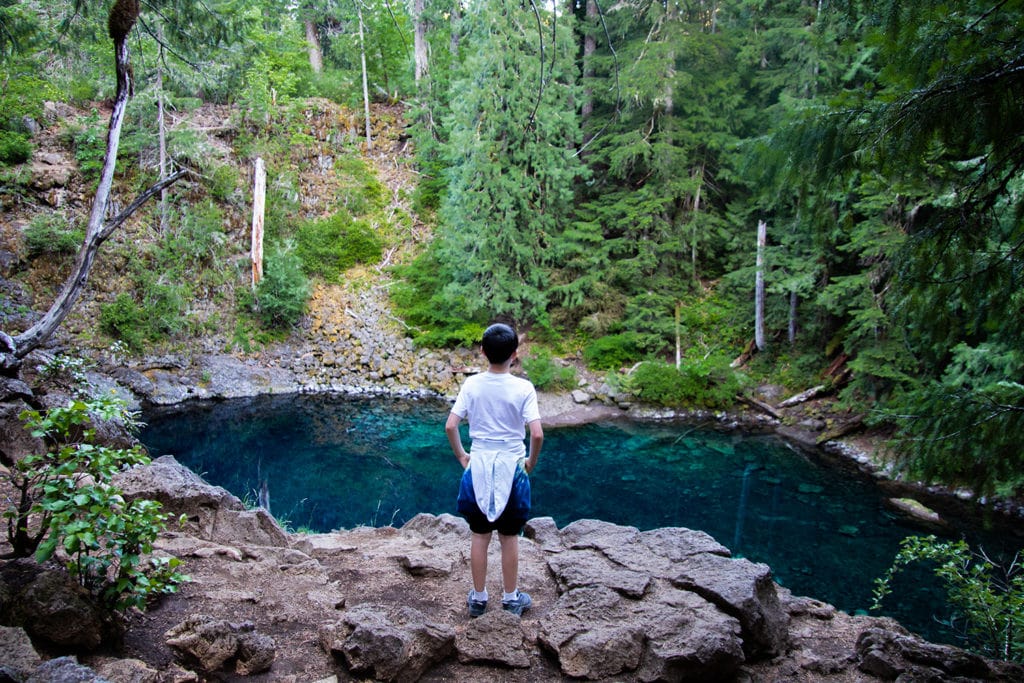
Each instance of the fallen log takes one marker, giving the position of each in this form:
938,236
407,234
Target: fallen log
804,396
841,430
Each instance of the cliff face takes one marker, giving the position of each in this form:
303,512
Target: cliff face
611,603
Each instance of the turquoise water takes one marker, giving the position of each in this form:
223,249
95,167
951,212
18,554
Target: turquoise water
331,462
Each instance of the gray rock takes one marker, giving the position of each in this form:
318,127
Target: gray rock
495,638
744,590
18,655
580,568
433,527
670,635
581,397
50,605
212,513
397,645
127,671
426,563
15,440
891,653
545,532
64,670
213,643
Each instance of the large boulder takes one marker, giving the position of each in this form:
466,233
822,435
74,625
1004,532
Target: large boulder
217,643
389,645
667,604
212,512
51,606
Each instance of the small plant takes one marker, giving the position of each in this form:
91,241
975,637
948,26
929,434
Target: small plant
699,383
68,507
15,148
331,245
282,294
50,233
987,600
616,351
67,367
545,373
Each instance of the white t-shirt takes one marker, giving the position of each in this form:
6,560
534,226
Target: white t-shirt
497,405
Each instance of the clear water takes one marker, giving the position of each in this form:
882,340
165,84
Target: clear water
331,462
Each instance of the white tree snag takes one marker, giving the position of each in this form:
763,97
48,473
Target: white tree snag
316,54
366,88
259,194
679,341
161,129
419,42
762,238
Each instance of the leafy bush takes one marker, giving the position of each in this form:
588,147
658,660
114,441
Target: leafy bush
159,314
545,373
329,246
50,233
69,508
15,148
282,293
699,383
616,351
987,600
90,143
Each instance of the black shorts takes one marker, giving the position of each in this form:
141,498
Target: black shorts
507,524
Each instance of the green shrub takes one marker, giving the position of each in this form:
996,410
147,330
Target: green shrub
124,320
546,374
90,143
699,383
68,507
282,294
437,320
15,148
329,246
156,317
616,351
987,600
49,233
223,182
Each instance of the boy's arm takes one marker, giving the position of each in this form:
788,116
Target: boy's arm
451,429
536,441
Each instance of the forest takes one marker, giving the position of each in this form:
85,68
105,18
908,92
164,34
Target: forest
829,191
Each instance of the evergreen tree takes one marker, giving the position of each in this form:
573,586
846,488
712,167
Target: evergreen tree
513,129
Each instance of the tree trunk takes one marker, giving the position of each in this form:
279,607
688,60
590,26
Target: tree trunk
259,191
419,42
589,48
161,131
794,299
366,89
122,17
679,342
455,24
316,54
762,238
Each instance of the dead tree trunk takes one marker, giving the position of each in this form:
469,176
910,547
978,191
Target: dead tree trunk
419,42
122,17
316,54
259,192
366,88
762,238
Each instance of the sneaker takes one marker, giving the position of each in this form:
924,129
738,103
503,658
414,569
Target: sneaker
519,605
476,607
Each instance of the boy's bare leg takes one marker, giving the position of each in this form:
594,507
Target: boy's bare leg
509,562
478,560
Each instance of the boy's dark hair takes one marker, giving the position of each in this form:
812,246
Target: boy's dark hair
500,342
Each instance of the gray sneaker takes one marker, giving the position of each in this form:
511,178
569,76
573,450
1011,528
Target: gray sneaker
476,607
519,605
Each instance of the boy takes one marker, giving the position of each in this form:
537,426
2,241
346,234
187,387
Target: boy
495,491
